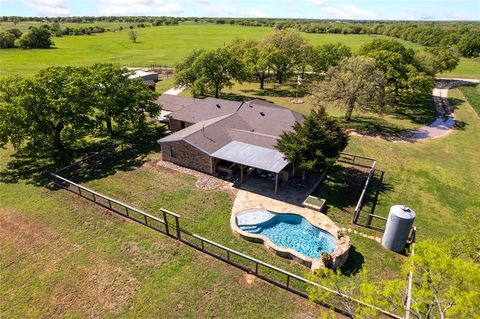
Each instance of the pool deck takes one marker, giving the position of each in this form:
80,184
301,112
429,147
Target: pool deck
246,200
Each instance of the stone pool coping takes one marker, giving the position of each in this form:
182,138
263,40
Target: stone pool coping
245,201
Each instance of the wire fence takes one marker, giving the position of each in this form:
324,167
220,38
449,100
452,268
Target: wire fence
170,226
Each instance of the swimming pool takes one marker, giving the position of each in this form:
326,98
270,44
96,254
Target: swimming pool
289,231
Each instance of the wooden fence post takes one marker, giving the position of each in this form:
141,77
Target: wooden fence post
166,222
177,225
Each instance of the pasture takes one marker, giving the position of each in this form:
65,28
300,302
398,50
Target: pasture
164,45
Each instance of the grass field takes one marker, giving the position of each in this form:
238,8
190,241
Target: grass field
163,45
472,94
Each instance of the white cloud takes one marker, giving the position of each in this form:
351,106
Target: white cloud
256,13
49,7
230,11
139,7
348,11
318,2
204,2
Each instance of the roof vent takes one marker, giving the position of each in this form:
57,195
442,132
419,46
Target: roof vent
250,104
262,114
218,106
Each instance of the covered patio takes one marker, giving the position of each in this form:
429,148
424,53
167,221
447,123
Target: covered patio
251,158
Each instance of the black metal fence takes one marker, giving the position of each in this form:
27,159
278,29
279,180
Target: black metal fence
170,226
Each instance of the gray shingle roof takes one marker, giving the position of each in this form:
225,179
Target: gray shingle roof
256,123
204,109
173,103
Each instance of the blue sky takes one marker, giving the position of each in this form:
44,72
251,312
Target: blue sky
321,9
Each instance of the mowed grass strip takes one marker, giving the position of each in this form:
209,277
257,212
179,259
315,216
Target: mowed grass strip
472,94
166,45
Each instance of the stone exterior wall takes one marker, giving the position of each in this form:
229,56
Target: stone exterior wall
187,155
176,125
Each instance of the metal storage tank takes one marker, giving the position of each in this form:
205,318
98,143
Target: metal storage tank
399,223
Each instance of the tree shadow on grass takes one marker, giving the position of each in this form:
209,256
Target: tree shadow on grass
279,90
34,167
354,262
342,187
417,109
376,127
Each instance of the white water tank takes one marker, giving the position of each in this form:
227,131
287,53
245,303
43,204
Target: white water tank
399,223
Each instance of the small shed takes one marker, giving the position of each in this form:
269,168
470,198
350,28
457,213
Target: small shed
144,75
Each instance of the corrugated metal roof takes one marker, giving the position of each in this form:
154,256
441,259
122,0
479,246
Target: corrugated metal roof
252,155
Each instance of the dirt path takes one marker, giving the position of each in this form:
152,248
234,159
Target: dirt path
443,124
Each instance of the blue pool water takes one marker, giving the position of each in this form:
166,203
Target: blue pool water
288,230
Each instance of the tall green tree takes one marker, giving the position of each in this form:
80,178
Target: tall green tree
187,76
238,46
394,59
35,38
285,55
314,144
56,104
469,45
7,40
355,83
119,99
217,69
444,286
436,60
132,35
257,63
329,54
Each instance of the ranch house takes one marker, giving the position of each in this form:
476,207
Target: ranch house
222,137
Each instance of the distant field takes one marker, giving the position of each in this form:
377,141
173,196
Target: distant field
162,45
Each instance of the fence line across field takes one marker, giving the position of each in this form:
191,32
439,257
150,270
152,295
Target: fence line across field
175,231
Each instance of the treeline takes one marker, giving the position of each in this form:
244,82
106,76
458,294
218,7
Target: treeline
65,104
383,72
90,19
34,38
464,36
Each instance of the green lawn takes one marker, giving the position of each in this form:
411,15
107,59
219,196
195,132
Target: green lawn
162,45
472,94
467,68
164,85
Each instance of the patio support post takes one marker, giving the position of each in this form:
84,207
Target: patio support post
213,163
276,182
241,174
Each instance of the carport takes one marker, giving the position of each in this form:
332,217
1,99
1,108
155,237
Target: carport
254,156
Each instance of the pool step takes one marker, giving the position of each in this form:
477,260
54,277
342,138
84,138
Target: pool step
251,228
